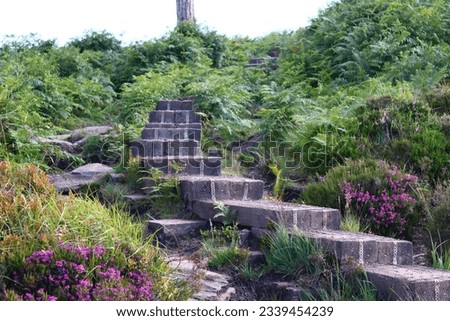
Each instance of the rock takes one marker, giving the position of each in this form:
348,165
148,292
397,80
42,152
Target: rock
243,237
227,295
92,170
63,144
176,228
212,286
256,258
281,291
80,177
81,133
118,178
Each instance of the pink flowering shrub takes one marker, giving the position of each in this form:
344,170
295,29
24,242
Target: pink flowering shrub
79,273
386,205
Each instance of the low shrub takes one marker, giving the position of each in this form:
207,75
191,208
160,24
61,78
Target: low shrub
438,219
80,273
380,194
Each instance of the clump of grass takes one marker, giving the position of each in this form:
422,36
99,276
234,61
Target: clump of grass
440,255
341,284
112,193
293,253
352,222
249,273
228,257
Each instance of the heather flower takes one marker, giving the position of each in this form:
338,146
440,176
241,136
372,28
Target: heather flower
40,257
64,276
387,208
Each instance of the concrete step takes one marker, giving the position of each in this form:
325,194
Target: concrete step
187,165
161,148
173,126
220,188
175,105
262,213
172,133
364,248
360,247
409,282
174,117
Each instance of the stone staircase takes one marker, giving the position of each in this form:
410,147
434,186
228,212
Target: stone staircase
171,142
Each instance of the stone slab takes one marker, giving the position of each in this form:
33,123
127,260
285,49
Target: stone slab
172,133
94,169
63,144
201,166
170,116
78,178
175,105
364,248
261,213
160,148
409,282
220,188
173,125
81,133
176,227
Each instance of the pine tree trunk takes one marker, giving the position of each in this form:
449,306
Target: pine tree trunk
185,10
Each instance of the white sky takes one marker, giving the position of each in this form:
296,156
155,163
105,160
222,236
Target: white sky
134,20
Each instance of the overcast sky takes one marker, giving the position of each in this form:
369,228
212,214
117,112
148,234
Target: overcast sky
134,20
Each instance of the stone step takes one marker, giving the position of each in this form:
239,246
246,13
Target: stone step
364,248
361,247
172,133
263,213
161,148
173,126
220,188
175,105
174,117
185,165
175,228
409,282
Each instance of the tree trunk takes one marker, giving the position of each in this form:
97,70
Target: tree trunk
185,10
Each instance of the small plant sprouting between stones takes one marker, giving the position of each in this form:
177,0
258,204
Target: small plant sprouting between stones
228,215
165,192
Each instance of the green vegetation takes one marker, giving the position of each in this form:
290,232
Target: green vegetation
164,194
356,108
293,254
43,234
440,256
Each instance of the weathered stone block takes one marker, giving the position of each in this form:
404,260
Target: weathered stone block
395,252
409,282
173,126
187,105
175,105
316,219
221,190
176,227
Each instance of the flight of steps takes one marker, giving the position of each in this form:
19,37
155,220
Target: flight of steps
171,141
174,135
